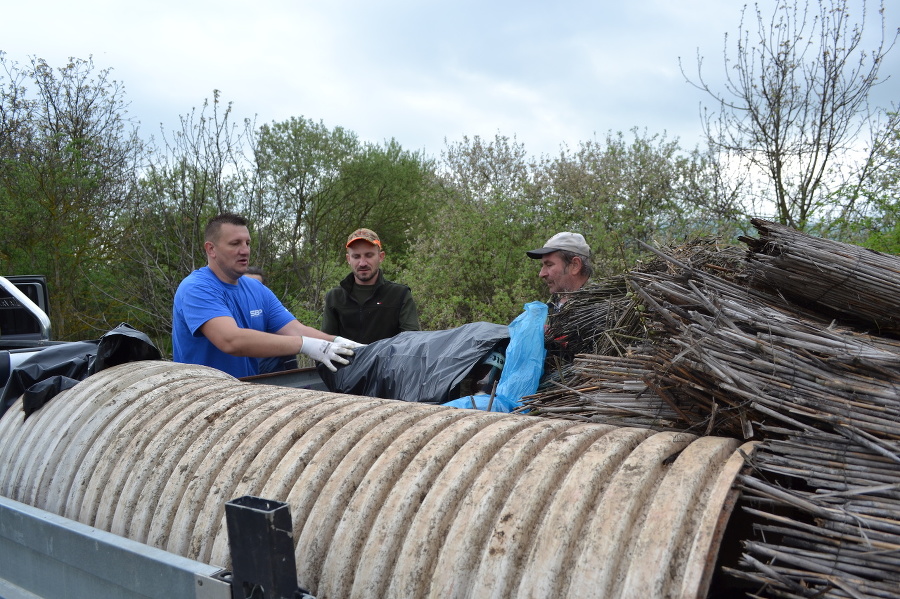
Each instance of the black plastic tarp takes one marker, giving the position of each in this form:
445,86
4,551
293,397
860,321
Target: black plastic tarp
59,367
419,366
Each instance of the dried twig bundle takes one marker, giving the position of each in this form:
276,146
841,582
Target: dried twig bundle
849,280
751,350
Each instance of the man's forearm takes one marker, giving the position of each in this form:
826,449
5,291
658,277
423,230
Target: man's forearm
257,344
297,328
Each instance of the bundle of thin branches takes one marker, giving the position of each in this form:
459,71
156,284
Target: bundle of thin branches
720,356
728,355
836,533
725,349
826,483
704,254
596,319
607,389
605,319
602,319
855,282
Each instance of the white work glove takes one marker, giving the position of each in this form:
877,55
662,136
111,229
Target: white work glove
348,343
325,352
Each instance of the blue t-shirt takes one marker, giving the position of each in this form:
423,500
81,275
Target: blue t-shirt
201,296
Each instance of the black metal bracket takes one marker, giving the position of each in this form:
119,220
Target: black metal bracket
261,540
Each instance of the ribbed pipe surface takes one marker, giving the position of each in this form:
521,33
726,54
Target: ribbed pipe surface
389,499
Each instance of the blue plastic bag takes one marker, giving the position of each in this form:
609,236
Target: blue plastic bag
524,363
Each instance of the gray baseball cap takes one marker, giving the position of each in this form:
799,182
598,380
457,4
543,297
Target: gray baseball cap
568,242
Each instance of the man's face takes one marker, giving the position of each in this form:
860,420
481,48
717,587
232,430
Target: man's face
558,275
364,259
229,254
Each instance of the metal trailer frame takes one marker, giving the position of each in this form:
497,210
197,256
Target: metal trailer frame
45,555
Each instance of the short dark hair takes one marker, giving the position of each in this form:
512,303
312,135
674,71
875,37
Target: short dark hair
215,224
255,270
587,268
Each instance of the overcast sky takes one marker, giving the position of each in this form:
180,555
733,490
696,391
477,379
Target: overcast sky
548,73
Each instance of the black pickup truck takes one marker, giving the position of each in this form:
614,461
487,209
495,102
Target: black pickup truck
24,320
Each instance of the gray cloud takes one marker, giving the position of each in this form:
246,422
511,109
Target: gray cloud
549,74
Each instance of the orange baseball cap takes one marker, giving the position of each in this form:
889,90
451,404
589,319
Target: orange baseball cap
364,234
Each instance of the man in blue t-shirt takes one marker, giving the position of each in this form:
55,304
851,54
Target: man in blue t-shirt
225,320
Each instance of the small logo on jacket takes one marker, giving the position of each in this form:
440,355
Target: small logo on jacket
255,313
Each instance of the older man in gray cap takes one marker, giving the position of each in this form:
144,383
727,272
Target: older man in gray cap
565,265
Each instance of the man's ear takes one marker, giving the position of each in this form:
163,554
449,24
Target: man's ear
576,261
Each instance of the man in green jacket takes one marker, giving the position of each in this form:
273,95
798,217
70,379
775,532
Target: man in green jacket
365,306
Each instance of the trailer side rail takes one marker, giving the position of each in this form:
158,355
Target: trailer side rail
45,555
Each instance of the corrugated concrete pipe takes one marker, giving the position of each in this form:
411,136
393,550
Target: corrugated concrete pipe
388,498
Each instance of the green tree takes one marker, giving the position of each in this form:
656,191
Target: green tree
315,186
470,266
871,216
299,165
794,105
496,203
621,191
389,190
68,154
200,170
